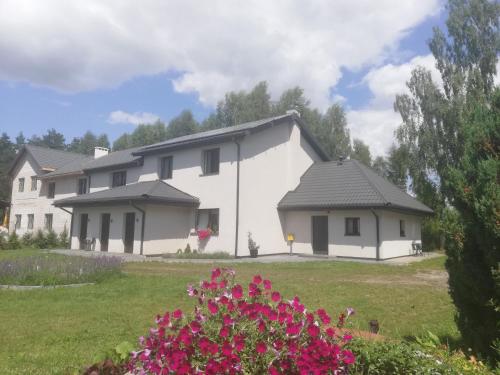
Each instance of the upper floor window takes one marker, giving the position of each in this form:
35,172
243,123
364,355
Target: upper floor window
166,167
352,226
119,179
208,219
17,225
31,221
211,160
21,185
51,190
402,228
33,183
82,186
48,221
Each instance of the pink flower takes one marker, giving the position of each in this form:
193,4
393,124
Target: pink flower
313,330
227,349
330,332
216,272
267,284
257,279
224,332
347,337
275,296
212,307
237,291
350,311
261,347
348,357
177,314
195,326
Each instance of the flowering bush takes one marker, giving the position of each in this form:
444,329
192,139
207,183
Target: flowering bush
252,331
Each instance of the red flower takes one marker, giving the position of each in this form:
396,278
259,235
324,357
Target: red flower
195,326
261,347
212,307
237,291
313,330
275,296
224,332
257,279
177,314
216,272
267,284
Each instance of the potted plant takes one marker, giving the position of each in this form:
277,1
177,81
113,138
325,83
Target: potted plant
252,246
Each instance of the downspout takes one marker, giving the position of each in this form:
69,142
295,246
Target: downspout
70,226
236,234
377,233
142,224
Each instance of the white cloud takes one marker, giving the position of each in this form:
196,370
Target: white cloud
136,118
375,123
215,46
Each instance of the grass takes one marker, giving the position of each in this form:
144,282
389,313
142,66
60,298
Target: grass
197,255
61,330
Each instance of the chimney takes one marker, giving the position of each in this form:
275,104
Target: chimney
293,112
100,151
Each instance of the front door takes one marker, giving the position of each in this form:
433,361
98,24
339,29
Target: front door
105,220
128,239
320,234
84,219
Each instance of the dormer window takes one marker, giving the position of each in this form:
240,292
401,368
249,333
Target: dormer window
21,185
166,167
119,179
51,190
33,183
82,186
211,160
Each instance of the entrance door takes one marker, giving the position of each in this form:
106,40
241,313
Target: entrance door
84,220
320,234
105,220
128,239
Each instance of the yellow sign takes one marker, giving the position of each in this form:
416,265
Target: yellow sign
290,237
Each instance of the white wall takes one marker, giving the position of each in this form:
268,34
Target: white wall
392,244
102,180
36,202
363,246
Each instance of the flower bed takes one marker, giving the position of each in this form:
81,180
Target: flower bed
57,270
235,330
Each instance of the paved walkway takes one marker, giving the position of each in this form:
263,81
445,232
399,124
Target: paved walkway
282,258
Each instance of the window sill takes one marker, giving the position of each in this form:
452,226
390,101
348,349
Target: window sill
352,235
208,174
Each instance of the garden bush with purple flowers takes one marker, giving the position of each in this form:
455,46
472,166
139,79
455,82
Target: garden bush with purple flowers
244,331
52,269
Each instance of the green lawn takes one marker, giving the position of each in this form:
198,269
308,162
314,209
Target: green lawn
61,330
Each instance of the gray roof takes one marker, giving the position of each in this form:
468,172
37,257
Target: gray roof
347,184
147,191
71,168
47,158
114,159
221,134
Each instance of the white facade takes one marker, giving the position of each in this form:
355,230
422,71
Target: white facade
271,162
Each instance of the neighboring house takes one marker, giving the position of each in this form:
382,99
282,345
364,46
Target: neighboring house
269,178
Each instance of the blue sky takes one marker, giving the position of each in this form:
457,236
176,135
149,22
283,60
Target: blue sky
105,73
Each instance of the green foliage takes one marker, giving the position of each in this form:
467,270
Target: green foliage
252,246
63,239
87,143
183,124
7,155
452,137
361,152
426,356
187,250
52,139
144,134
13,242
40,240
27,239
198,255
3,241
51,239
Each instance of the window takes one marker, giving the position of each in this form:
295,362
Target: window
82,186
31,221
51,190
33,183
211,161
402,228
48,221
119,179
18,222
166,167
21,185
208,219
352,226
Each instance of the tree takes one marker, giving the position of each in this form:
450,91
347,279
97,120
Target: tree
122,142
381,166
452,137
7,155
333,133
52,139
20,141
145,134
87,144
361,152
183,124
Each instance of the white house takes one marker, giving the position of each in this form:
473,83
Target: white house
269,178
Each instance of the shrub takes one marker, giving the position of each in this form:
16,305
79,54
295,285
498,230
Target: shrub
40,240
187,250
27,239
63,240
3,241
252,246
236,332
51,239
13,243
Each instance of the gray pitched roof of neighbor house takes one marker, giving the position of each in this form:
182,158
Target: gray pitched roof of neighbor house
71,168
47,158
114,159
147,191
222,134
347,184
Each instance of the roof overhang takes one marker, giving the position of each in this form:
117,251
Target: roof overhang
125,201
19,155
387,207
134,163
